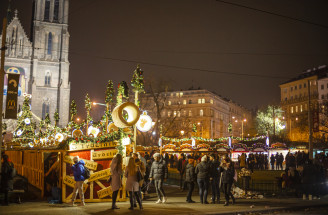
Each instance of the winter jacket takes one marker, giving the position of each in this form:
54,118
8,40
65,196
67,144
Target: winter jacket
158,170
190,173
78,170
6,179
116,174
202,170
227,174
214,169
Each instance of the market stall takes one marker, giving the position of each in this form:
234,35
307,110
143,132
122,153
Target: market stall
237,150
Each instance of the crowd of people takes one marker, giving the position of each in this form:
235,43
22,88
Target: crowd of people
209,172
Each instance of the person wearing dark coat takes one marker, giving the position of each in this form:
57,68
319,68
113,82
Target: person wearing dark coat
202,172
7,168
190,178
158,173
215,179
78,171
272,161
308,179
181,169
227,171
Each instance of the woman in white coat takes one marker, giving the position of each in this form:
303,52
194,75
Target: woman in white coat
116,181
132,184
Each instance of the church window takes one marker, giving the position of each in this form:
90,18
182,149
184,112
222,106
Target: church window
45,109
201,112
50,43
47,79
47,10
56,10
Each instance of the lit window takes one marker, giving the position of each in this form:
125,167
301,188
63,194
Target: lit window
174,114
181,94
292,109
203,101
178,113
169,113
177,94
301,108
296,109
172,94
169,103
190,113
184,102
201,112
211,101
184,113
199,101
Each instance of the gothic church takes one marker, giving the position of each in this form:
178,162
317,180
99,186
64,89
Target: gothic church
42,59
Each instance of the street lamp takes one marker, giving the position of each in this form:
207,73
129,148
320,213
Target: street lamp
242,129
96,103
182,132
200,124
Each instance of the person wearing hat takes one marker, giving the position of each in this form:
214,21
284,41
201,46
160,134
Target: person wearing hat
215,178
202,172
190,178
78,170
158,173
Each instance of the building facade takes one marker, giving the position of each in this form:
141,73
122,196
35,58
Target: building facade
41,60
296,95
194,112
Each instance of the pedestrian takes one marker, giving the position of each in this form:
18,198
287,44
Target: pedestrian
190,178
228,171
7,176
78,171
116,177
215,178
146,178
272,160
132,184
202,172
158,173
181,169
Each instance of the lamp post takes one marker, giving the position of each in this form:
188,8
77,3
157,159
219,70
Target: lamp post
242,128
200,124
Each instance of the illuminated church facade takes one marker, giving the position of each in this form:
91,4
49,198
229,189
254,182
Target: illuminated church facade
41,60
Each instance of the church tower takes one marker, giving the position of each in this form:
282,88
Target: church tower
49,71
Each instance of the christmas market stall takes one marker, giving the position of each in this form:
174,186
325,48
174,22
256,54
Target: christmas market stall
237,150
44,153
259,148
278,148
222,148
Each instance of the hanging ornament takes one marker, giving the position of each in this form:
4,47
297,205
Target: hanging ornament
27,121
20,114
126,141
59,137
144,123
19,132
31,144
132,111
93,131
111,128
77,133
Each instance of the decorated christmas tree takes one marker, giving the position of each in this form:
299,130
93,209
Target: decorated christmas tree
122,92
137,81
25,131
56,117
87,105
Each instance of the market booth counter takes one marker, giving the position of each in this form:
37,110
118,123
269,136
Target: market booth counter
97,157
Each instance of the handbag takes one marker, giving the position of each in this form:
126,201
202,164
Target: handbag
139,175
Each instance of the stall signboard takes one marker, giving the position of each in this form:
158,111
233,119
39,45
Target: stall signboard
104,154
68,180
84,146
89,164
99,175
105,192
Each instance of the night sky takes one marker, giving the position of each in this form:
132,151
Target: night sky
199,43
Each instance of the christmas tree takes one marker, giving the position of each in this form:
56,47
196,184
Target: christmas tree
137,81
25,131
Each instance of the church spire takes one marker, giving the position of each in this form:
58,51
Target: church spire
9,17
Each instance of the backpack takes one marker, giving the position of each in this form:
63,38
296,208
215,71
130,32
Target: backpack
86,173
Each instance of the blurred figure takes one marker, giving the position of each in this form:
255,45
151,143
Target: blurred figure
202,172
132,184
7,176
228,172
215,178
190,178
116,181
